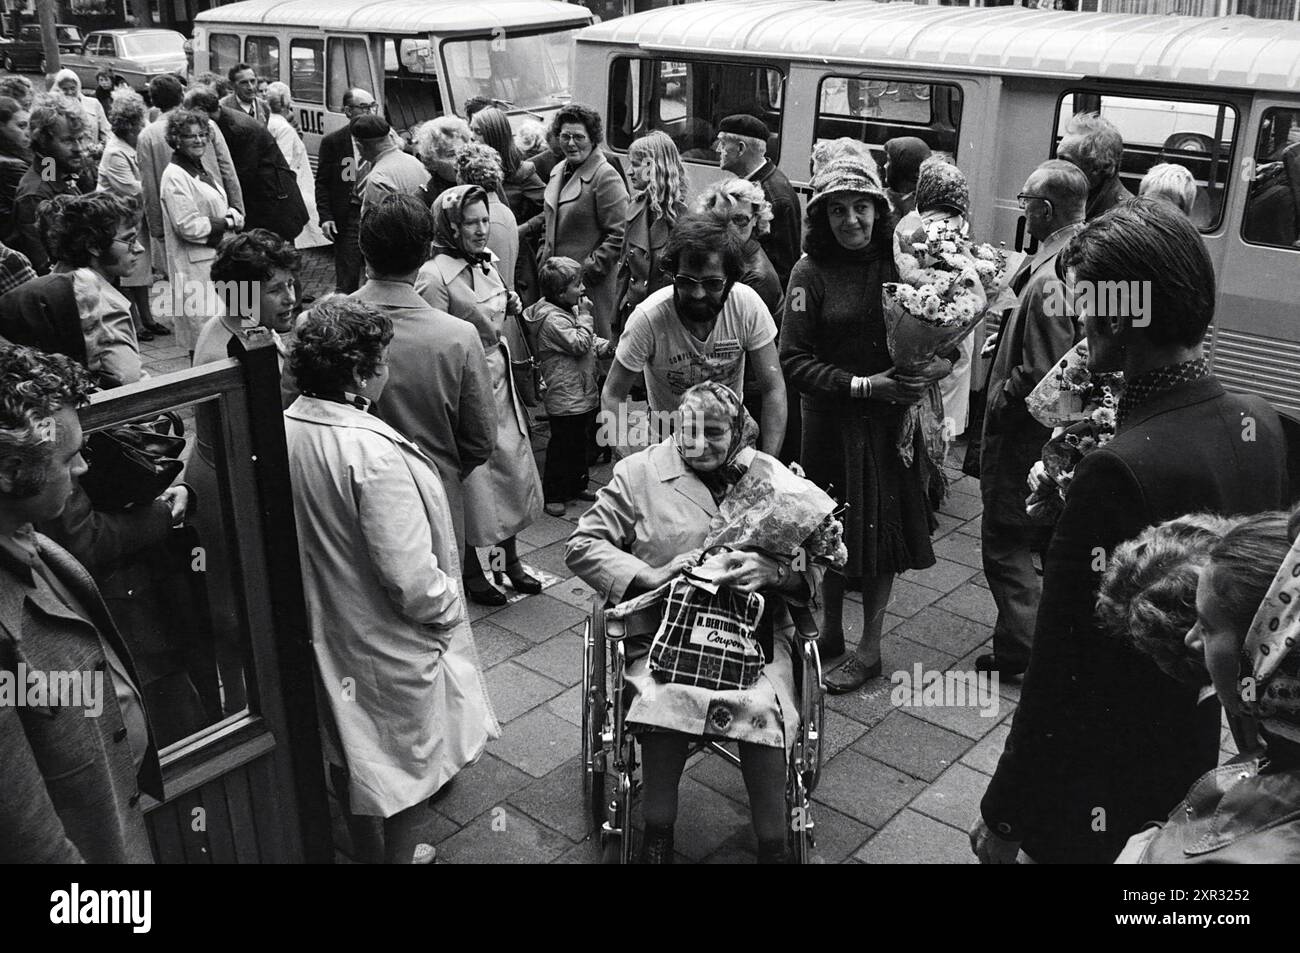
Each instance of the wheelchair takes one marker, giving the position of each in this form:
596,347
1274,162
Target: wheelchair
609,751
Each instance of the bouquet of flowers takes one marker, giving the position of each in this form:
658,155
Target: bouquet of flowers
774,509
1082,404
946,285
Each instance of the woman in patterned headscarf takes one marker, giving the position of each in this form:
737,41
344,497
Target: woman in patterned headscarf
1248,626
645,528
504,495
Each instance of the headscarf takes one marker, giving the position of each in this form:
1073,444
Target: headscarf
448,212
711,401
940,184
906,153
60,76
1270,683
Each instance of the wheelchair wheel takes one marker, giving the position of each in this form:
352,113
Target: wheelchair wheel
593,718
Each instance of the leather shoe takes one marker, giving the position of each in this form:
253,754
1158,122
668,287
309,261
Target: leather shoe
851,675
144,334
991,663
586,496
155,328
485,594
555,509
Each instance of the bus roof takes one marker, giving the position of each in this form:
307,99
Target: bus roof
398,16
1232,51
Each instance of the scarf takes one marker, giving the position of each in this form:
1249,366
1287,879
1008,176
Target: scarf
448,212
711,402
1269,687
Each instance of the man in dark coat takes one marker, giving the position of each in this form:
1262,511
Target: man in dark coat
337,201
1103,741
1096,147
271,196
75,760
1036,334
742,151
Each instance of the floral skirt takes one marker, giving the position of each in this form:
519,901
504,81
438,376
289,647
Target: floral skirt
767,713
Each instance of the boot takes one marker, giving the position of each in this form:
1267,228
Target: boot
657,846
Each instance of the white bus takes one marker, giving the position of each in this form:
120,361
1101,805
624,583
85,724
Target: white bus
993,87
420,58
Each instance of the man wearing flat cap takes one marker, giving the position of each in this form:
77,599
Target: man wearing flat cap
385,167
742,151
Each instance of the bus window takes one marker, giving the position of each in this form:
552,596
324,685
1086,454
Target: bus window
223,52
411,93
521,72
687,100
307,70
263,54
875,110
349,66
1198,135
1272,214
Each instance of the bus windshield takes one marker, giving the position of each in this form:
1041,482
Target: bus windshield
522,72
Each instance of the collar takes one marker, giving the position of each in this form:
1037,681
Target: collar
316,410
188,163
1054,243
449,266
762,172
1139,392
19,552
389,293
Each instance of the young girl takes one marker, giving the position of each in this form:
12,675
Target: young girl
567,348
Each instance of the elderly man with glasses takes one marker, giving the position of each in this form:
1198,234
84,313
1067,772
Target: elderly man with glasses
1033,338
705,326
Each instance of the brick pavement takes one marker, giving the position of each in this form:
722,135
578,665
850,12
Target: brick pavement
899,785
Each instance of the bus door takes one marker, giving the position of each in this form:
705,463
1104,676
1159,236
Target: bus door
307,86
1257,337
413,90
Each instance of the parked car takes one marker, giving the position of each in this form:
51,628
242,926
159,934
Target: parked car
26,53
135,55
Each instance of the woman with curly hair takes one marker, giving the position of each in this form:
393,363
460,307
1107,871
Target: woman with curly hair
119,173
384,610
658,181
1148,599
524,189
586,209
195,217
834,352
435,143
741,205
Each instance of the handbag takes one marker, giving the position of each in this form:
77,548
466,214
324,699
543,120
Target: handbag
527,374
133,463
706,638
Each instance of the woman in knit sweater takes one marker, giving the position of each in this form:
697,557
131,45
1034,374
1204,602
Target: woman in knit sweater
833,351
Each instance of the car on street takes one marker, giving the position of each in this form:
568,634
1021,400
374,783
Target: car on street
25,53
136,55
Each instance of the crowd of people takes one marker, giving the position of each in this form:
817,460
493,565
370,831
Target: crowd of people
487,276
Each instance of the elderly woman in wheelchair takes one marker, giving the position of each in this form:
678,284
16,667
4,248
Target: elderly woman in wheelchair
645,530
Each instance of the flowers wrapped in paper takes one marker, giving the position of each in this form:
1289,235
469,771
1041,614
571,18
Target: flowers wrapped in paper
1082,405
774,509
946,285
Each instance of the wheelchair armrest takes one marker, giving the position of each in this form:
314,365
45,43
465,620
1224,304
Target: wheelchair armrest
804,623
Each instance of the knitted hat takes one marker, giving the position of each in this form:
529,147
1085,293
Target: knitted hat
940,184
847,173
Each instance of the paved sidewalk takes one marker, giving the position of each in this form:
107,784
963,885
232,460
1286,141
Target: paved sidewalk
899,785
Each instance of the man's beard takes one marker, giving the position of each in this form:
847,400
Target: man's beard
700,310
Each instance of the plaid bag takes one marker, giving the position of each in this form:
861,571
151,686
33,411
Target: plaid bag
706,639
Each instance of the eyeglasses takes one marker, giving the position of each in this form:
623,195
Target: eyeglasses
687,284
129,241
1024,197
201,137
573,137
